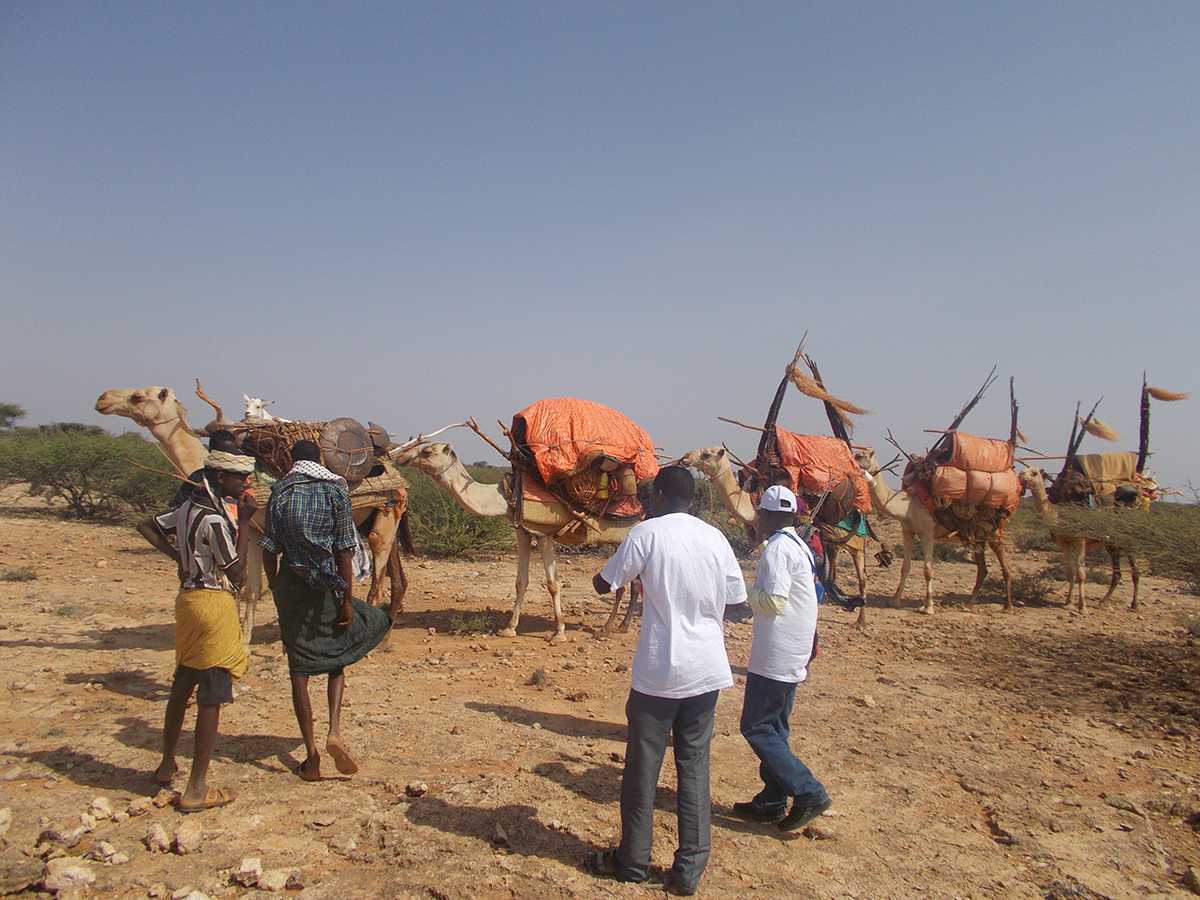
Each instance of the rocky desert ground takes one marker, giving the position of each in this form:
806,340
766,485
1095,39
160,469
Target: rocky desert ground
974,753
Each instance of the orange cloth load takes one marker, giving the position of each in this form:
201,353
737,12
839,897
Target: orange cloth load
978,454
816,461
569,438
994,489
971,469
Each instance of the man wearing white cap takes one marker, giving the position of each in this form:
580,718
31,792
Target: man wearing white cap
784,601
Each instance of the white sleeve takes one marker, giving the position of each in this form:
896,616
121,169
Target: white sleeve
735,584
627,563
773,574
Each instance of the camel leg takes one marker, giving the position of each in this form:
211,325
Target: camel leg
381,539
831,558
1115,555
399,584
904,566
927,551
859,558
523,550
546,545
996,542
608,626
1133,574
1079,574
980,571
635,592
251,591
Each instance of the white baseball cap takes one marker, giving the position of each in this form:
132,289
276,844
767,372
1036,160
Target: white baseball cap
777,498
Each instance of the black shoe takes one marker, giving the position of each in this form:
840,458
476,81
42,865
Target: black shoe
604,864
803,811
752,812
676,887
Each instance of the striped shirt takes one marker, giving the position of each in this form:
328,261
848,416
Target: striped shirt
206,542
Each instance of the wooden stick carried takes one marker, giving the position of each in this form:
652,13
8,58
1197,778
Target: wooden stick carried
741,424
474,426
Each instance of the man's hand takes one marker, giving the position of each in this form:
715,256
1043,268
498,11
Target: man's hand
346,615
247,506
602,587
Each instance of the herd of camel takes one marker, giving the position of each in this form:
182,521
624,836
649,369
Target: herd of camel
159,410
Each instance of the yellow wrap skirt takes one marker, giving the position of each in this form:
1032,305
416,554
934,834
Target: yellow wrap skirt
208,633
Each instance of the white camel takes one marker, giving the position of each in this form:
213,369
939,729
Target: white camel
916,521
441,463
157,409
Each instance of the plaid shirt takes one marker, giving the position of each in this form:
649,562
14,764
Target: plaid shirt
308,520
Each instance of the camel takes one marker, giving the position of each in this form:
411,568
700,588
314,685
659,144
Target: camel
441,463
1074,546
158,410
916,521
714,463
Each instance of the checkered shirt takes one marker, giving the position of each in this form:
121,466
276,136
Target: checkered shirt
308,520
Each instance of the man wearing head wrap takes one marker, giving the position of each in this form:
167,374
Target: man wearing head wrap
210,532
323,628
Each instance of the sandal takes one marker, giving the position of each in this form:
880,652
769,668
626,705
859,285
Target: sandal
213,798
341,756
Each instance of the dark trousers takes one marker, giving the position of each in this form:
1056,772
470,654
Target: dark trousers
765,713
652,722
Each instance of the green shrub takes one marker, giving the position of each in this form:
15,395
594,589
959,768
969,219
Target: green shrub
462,624
88,469
709,506
1033,587
20,573
441,527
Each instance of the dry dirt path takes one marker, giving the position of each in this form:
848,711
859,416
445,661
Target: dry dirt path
974,753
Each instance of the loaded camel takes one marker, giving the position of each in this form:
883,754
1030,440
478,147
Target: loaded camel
441,463
714,463
158,410
1102,479
1073,546
977,523
916,521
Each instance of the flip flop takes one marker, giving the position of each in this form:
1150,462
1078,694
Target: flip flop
341,756
213,798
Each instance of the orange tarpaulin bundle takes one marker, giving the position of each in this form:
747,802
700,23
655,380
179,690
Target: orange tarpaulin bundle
979,454
567,436
992,489
816,461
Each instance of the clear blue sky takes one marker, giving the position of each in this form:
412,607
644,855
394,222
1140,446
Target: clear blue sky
414,213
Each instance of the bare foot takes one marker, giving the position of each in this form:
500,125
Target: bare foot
165,774
310,769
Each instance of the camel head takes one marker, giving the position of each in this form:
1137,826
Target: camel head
1032,479
709,460
866,461
432,459
148,406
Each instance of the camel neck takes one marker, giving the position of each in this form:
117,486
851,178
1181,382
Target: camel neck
183,448
736,500
478,499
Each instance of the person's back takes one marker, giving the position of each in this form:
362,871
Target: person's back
689,574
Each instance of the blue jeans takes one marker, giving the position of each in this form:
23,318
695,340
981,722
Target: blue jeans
764,725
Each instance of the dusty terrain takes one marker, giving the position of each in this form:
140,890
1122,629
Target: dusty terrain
973,753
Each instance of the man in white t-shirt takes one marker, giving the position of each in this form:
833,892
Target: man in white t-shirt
784,601
689,575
